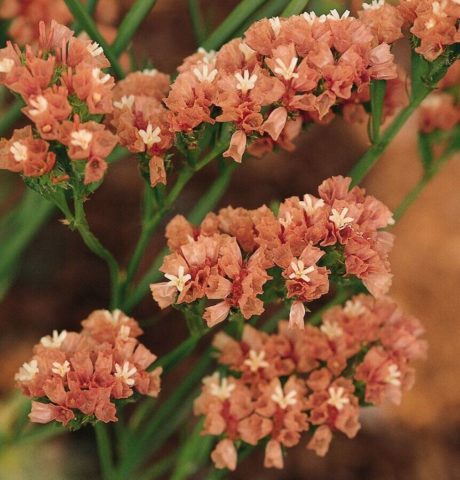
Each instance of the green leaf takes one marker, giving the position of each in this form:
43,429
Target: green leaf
198,23
85,21
130,24
378,89
295,7
225,30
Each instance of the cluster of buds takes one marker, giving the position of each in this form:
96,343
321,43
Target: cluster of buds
66,93
276,387
76,378
244,258
434,23
283,73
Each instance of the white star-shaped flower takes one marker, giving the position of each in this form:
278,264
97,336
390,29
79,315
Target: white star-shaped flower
180,280
150,135
256,360
284,400
39,105
61,369
95,49
287,72
125,373
222,389
245,82
81,138
99,76
332,330
54,341
354,308
300,271
310,204
27,372
19,152
394,375
125,101
205,74
337,398
340,219
335,15
311,17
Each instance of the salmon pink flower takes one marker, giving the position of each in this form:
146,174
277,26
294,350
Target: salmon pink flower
82,373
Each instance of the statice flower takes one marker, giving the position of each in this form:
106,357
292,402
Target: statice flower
66,91
281,74
278,386
434,23
244,258
76,378
142,122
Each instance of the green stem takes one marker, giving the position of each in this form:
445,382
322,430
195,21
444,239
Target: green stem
130,24
103,447
85,21
91,7
295,7
367,161
198,23
225,30
92,242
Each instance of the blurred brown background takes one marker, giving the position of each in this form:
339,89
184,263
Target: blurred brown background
60,282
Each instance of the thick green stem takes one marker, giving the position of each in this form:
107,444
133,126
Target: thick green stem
367,161
295,7
103,447
198,23
130,24
225,30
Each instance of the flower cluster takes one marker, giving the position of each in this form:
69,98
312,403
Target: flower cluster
441,109
278,386
242,257
284,72
78,377
434,23
66,93
141,120
24,17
